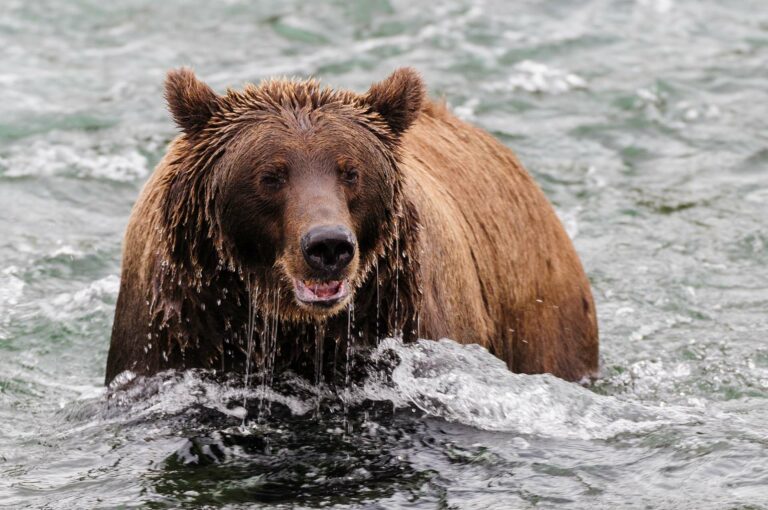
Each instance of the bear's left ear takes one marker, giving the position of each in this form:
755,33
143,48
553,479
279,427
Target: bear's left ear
398,99
192,102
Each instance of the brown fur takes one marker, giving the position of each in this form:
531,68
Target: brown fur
455,239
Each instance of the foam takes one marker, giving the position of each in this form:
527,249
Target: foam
659,6
95,295
464,384
173,393
570,221
536,77
11,289
46,159
468,385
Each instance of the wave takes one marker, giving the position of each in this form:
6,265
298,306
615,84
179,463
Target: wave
458,383
536,77
41,158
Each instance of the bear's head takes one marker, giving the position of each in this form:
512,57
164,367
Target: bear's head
294,186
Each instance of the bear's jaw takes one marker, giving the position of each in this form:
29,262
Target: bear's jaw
322,294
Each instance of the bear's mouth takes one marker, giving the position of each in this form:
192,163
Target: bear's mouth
321,293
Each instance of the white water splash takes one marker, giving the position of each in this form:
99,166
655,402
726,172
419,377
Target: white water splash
11,289
466,384
659,6
96,295
45,159
458,383
172,393
570,221
535,77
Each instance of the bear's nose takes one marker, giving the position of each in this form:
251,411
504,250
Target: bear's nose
328,248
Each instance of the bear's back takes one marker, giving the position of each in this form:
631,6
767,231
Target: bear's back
497,265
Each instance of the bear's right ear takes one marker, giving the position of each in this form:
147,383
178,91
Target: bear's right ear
191,102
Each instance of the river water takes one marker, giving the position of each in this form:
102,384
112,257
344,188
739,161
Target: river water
645,122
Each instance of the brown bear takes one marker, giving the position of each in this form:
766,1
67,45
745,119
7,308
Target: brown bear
289,220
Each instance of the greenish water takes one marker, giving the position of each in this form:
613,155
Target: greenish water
646,123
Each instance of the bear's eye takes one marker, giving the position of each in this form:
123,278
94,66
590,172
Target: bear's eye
273,180
349,175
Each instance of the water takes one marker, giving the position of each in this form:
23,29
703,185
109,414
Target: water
644,121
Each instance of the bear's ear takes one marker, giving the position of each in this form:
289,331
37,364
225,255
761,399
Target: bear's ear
398,99
191,102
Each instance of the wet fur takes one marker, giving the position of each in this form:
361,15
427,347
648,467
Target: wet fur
468,248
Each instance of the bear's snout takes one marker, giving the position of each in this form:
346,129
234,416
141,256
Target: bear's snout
328,249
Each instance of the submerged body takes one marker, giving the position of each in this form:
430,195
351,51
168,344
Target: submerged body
428,227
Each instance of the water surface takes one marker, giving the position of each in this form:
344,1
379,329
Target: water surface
645,122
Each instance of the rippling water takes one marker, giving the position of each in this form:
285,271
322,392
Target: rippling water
646,123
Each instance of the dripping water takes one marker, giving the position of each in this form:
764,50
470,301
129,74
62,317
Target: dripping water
350,335
376,266
273,348
269,348
418,325
263,345
319,340
319,346
249,335
396,331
